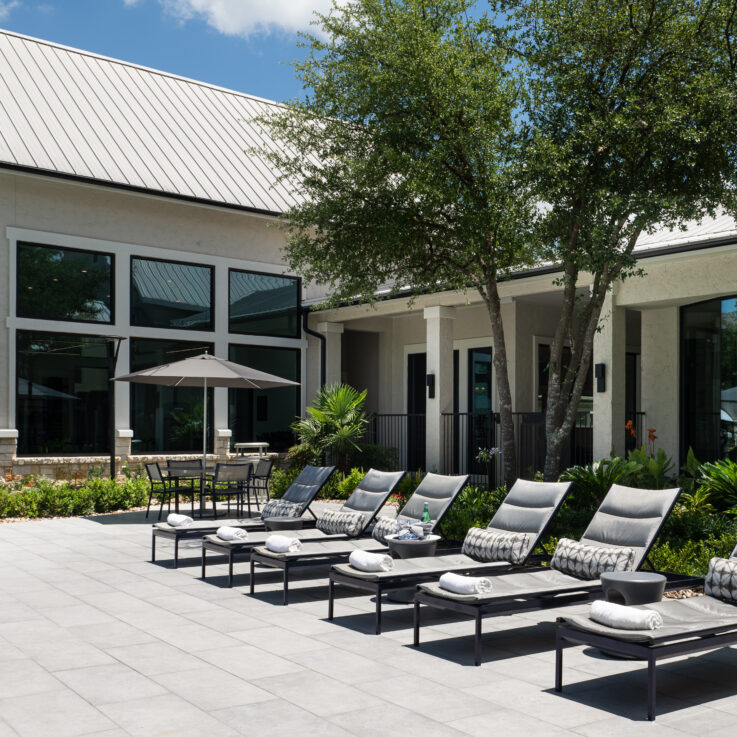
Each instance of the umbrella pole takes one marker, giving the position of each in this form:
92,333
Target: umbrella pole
204,426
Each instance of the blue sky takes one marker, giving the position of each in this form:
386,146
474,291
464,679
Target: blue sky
240,44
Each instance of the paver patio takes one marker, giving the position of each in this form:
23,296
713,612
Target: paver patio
96,640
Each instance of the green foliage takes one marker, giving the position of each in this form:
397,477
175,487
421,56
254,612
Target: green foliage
654,471
720,480
348,482
335,423
281,479
44,498
407,486
592,482
474,507
693,556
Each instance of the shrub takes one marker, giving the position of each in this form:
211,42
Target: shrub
720,480
692,558
592,482
654,470
474,507
281,479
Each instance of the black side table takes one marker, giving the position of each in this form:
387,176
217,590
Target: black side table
283,523
632,587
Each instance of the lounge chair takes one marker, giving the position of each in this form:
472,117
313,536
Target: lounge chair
362,505
300,494
527,508
628,519
438,492
689,626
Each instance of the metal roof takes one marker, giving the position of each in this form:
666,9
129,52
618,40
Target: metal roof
73,113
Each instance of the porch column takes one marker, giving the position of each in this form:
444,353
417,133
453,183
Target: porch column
8,450
439,327
610,349
333,350
660,377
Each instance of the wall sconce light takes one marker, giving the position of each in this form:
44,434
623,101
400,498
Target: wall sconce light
430,381
600,376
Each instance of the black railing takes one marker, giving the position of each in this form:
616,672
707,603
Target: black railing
404,433
466,433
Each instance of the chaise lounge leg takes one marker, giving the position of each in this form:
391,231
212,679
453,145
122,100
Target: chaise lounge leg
176,552
252,577
416,624
477,640
204,561
558,662
331,598
285,599
153,548
651,687
230,569
378,611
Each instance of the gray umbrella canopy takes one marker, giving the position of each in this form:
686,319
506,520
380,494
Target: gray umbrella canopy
206,371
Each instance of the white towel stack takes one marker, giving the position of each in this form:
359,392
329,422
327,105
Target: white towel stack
179,520
231,533
363,560
283,544
466,585
624,617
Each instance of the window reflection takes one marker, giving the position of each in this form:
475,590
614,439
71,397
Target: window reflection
167,294
264,304
64,284
166,418
62,393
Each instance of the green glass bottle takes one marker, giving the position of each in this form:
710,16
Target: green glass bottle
426,513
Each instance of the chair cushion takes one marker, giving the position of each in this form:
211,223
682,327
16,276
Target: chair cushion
281,508
721,579
335,522
487,545
590,561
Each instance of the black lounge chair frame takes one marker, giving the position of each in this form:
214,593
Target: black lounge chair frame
177,534
387,584
544,599
666,647
322,559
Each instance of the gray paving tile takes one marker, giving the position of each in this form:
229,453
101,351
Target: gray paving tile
373,723
152,658
250,663
104,684
24,677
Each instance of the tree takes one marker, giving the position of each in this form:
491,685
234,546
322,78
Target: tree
408,153
631,109
442,148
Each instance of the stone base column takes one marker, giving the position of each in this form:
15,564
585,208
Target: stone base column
8,452
222,443
123,438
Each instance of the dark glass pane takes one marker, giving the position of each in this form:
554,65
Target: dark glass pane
64,284
265,415
586,403
166,418
165,294
728,380
62,393
263,304
479,385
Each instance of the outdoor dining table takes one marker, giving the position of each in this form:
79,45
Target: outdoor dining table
192,473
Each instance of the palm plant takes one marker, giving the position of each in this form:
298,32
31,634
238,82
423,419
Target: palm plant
335,423
720,480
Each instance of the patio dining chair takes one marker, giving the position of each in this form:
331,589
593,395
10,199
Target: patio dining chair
163,489
231,480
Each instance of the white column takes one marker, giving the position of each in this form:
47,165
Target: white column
610,349
333,349
660,377
439,327
222,349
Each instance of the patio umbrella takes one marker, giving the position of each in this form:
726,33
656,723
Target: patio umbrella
206,371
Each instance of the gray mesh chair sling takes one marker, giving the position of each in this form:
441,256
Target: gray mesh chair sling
301,493
367,498
528,508
627,518
438,492
689,626
230,480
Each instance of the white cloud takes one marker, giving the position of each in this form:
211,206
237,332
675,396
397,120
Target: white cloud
6,7
248,17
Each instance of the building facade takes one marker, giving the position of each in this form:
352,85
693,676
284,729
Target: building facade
139,226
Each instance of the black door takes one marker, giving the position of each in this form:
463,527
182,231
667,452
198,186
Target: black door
416,370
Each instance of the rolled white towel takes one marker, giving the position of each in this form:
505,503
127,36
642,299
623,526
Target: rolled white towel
624,617
363,560
467,585
231,533
179,520
283,544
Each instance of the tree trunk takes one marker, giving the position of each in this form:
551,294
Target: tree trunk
499,357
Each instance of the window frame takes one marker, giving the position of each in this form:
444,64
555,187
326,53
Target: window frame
18,290
298,308
197,328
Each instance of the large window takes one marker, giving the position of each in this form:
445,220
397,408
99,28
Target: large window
169,294
62,393
709,379
265,415
165,418
64,284
264,304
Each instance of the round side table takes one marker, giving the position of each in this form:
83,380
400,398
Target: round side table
412,548
633,587
283,523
